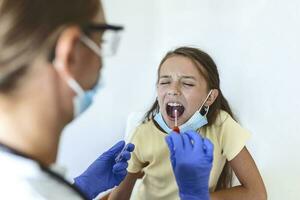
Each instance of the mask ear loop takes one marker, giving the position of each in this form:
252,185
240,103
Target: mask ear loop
92,45
70,81
206,108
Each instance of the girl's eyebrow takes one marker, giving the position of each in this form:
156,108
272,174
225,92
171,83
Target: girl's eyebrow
165,76
181,77
188,77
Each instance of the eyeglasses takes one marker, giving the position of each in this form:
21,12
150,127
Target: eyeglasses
109,38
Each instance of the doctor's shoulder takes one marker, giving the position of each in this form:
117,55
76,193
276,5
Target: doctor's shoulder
23,178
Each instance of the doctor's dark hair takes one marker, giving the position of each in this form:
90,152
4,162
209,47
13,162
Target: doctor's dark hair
31,27
206,67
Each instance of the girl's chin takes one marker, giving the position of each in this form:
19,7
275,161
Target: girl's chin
171,122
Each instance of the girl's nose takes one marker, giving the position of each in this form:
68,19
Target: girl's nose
174,90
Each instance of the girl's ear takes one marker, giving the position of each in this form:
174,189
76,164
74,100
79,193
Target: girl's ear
213,96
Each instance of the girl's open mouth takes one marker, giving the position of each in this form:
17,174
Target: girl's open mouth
171,107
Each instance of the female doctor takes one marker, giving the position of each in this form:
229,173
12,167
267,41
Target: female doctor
50,64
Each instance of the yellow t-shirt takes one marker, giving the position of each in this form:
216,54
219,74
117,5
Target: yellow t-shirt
228,138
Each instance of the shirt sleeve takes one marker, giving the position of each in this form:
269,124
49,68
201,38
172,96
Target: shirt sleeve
135,164
233,137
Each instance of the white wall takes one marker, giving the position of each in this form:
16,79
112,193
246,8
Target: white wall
256,46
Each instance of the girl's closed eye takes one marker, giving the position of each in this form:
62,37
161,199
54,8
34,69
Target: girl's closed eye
164,82
189,84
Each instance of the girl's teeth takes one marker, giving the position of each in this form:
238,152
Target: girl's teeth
174,104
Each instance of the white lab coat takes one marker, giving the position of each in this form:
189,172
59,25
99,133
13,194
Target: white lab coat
22,178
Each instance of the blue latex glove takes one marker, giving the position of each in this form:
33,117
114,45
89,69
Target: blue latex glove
191,157
105,173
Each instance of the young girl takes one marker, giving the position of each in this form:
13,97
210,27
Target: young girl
188,82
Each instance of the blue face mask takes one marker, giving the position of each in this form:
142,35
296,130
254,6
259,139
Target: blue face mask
195,122
83,99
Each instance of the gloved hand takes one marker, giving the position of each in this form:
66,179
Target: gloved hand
191,157
105,173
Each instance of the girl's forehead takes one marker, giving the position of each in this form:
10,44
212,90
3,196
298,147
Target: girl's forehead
180,65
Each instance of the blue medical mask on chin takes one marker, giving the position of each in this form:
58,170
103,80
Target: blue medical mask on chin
195,122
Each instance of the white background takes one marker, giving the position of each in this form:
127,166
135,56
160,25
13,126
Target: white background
256,45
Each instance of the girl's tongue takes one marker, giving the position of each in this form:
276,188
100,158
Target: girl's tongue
171,110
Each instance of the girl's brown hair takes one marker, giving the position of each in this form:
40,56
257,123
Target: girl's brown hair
31,27
208,69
